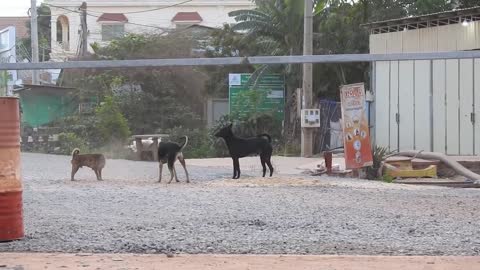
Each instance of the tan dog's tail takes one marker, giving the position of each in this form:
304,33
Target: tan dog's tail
75,152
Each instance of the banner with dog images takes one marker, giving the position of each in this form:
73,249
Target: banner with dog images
357,145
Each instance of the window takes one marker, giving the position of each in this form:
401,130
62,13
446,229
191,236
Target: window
112,31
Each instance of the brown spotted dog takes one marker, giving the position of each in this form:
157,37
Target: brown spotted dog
94,161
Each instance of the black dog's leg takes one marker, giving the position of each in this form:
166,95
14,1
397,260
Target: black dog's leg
236,168
269,163
100,173
171,162
262,160
160,169
182,161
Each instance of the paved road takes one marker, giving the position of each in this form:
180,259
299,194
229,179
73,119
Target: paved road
130,212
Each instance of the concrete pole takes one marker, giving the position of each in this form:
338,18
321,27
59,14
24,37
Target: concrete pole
307,133
83,21
34,37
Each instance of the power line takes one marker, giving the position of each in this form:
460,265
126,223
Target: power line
148,10
96,16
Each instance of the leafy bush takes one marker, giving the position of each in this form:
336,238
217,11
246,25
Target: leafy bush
69,141
200,143
112,125
379,154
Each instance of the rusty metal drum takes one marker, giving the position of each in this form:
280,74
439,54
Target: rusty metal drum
11,205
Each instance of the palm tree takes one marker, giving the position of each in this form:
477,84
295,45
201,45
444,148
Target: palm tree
276,26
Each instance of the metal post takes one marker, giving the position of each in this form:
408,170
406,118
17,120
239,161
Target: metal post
307,133
34,37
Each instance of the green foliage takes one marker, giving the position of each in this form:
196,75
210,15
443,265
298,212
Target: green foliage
387,179
200,143
379,154
150,99
69,141
112,125
226,42
44,36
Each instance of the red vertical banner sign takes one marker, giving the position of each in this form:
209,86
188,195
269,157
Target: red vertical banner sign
357,146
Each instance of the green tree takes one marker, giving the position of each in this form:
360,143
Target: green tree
152,99
44,37
112,126
226,42
420,7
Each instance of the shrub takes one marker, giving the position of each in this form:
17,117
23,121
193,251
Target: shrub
379,154
112,125
200,143
69,141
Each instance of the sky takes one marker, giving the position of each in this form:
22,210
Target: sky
10,8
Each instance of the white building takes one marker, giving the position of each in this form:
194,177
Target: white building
107,19
430,105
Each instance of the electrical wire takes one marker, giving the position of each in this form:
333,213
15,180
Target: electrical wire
96,16
148,10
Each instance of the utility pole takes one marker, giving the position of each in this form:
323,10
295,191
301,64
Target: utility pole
307,133
34,37
83,22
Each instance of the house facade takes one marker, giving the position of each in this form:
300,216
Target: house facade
108,19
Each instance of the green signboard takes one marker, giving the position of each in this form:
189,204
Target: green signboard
267,97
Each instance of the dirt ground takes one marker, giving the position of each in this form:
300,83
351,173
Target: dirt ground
230,262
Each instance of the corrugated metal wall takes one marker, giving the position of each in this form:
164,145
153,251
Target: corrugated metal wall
453,37
428,105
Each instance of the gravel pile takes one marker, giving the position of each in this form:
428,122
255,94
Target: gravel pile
130,212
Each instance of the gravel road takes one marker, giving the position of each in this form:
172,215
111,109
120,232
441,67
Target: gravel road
130,212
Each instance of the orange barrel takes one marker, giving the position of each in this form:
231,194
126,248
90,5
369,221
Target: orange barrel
11,206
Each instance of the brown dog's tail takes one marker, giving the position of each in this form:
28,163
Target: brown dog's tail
75,152
185,143
266,136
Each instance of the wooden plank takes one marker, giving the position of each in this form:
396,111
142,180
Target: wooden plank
393,141
382,85
422,106
439,109
466,107
477,107
452,109
405,104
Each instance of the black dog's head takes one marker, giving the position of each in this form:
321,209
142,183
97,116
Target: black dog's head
224,132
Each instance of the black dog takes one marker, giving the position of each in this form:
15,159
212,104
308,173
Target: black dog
169,152
242,147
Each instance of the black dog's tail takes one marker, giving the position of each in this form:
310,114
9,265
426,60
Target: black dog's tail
267,136
184,143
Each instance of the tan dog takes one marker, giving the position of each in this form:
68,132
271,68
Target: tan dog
94,161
